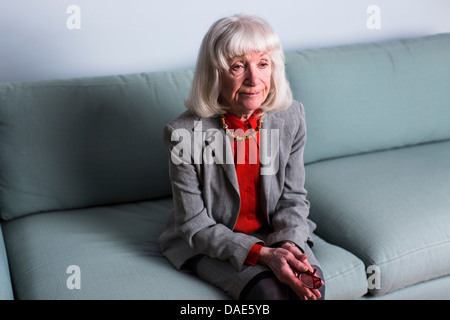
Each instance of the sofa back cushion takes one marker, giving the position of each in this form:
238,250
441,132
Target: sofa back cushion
375,96
85,142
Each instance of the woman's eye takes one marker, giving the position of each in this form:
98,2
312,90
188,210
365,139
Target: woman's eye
263,64
238,67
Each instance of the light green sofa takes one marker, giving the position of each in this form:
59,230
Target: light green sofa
85,191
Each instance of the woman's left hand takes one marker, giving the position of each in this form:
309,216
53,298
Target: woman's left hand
303,258
282,260
297,253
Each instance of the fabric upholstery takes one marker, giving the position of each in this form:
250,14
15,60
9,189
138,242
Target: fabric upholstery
83,142
117,252
391,209
344,273
84,176
435,289
367,97
6,291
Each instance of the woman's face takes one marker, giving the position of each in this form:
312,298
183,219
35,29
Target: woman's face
246,84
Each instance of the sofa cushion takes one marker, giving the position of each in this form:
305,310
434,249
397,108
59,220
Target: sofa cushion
114,247
77,143
117,253
6,292
344,273
390,208
366,97
435,289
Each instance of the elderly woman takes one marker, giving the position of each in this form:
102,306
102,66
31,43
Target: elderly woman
239,219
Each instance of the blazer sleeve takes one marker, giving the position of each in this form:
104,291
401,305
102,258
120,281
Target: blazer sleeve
290,219
193,222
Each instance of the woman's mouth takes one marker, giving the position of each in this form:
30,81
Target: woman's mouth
250,94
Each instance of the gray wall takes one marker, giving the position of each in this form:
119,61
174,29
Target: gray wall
41,39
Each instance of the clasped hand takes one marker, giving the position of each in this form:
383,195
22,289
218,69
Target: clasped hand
282,261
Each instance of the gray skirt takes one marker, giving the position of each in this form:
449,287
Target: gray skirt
226,277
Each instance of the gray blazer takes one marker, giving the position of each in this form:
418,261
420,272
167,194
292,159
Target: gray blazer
206,195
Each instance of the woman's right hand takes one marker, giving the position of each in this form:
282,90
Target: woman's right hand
281,261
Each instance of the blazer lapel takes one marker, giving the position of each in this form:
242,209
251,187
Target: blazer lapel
271,122
211,130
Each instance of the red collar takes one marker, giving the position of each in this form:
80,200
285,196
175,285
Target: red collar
234,123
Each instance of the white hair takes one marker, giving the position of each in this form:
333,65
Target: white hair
228,38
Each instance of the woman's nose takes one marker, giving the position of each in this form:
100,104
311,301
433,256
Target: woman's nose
252,76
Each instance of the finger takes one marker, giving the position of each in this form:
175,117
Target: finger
300,256
299,265
306,293
296,285
294,250
316,293
306,262
301,290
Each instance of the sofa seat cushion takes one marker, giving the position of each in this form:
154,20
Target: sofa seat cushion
117,253
390,208
344,273
114,247
435,289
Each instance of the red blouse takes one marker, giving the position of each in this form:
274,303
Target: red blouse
246,159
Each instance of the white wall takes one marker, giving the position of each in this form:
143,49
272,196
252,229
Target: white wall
126,36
